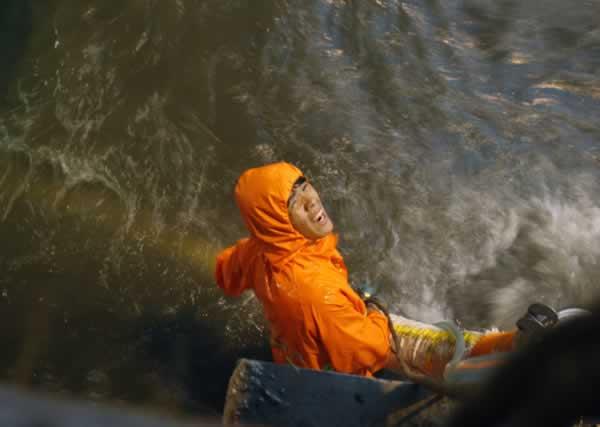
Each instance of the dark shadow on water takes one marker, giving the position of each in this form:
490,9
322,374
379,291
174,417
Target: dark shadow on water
15,29
192,355
178,361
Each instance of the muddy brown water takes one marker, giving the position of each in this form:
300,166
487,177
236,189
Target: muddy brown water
456,146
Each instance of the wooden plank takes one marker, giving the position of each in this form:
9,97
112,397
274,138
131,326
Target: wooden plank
268,394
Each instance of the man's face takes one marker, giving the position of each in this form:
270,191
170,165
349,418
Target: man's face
307,213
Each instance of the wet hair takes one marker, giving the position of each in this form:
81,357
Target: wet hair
301,180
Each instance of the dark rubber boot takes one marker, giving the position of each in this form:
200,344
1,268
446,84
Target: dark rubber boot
539,318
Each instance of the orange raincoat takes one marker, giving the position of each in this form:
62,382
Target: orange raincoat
316,319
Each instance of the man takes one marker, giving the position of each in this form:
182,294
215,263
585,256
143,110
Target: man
317,321
291,263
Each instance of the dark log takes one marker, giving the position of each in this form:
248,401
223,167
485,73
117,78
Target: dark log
268,394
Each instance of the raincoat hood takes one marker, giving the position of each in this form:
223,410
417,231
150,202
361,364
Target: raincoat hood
262,194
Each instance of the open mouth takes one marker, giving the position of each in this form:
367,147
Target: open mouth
321,217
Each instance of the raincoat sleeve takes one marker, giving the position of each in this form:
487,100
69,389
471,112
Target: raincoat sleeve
231,271
356,343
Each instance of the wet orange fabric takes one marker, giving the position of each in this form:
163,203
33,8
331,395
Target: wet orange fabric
494,342
316,319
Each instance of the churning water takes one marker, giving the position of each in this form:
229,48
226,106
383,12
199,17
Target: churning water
456,145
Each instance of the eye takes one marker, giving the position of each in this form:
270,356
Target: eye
295,194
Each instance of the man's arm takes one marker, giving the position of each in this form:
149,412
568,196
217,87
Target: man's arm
356,343
230,267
